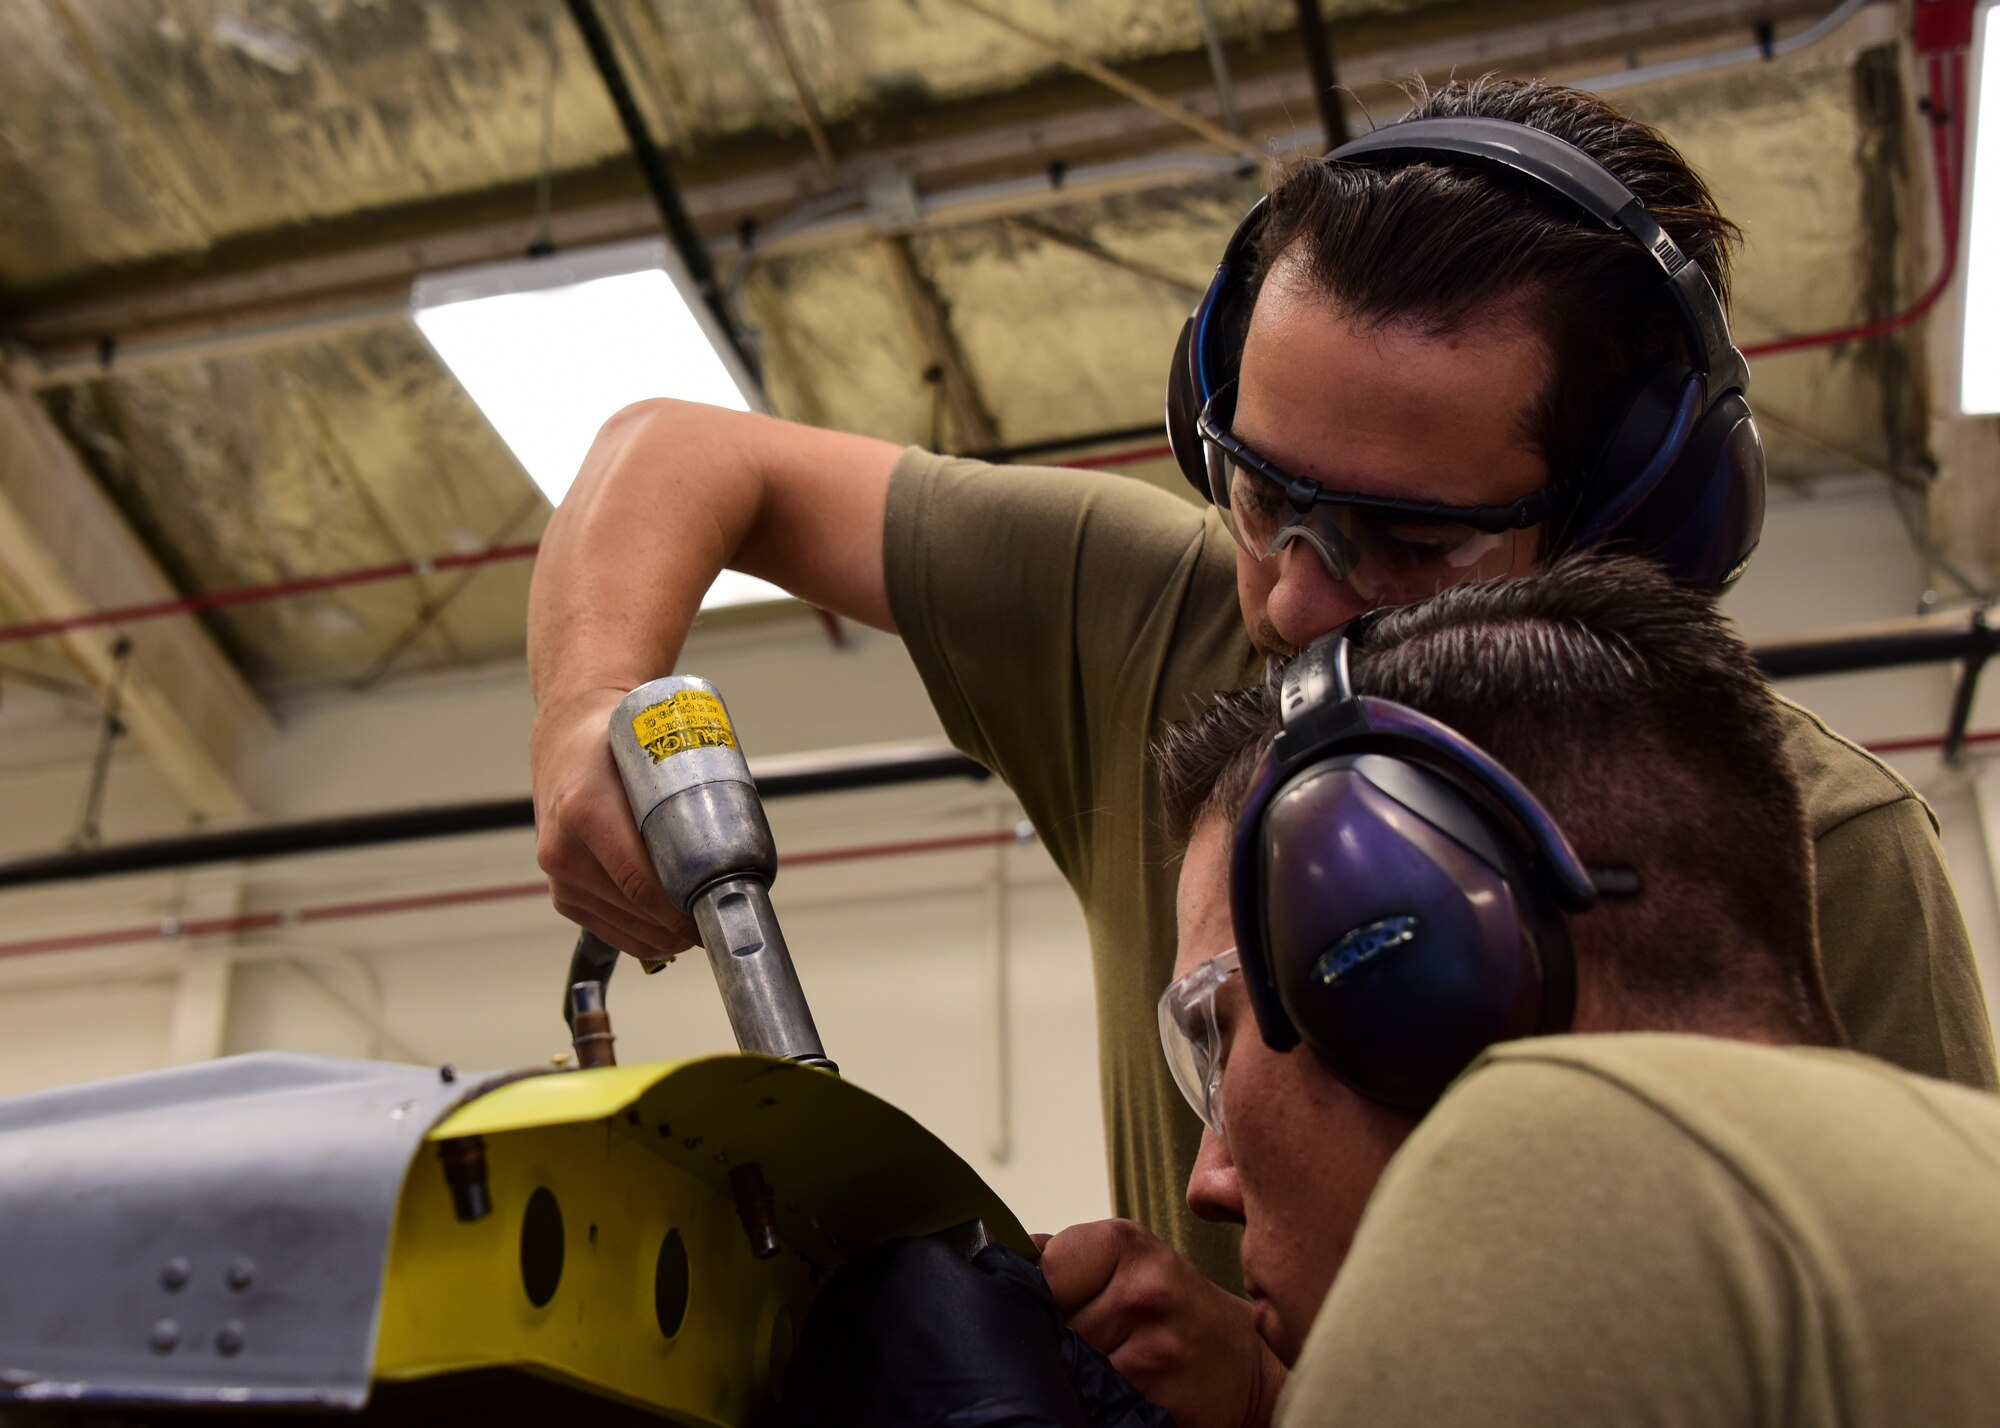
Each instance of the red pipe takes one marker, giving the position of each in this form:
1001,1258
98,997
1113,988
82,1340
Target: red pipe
1930,741
373,574
1947,155
172,929
252,594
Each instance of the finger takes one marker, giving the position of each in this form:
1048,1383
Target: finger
1041,1243
573,870
602,820
618,927
676,935
586,840
1081,1262
576,873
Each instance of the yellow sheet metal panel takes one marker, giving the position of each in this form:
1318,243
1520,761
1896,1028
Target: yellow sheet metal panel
626,1169
462,1296
846,1167
554,1099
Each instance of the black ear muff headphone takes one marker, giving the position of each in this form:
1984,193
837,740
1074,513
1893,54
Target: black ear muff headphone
1680,479
1399,898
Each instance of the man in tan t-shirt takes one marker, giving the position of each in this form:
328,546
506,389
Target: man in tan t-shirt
1061,620
1675,1203
1695,1211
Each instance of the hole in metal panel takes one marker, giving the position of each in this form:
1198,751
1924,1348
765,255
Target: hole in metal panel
670,1284
541,1247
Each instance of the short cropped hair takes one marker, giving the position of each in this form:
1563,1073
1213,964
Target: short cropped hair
1625,703
1440,247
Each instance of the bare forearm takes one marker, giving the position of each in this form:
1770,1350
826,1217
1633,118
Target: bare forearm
669,496
662,504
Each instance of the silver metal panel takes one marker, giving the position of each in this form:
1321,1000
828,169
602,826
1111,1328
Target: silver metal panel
208,1234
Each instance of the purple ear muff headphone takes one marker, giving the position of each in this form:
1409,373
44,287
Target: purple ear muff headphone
1679,480
1399,898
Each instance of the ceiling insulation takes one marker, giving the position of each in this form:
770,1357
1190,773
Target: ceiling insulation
1063,343
862,57
1796,153
135,131
319,457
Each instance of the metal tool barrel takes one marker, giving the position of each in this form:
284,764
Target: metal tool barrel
711,846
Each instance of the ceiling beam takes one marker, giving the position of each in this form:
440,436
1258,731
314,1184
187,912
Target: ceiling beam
968,161
972,427
64,550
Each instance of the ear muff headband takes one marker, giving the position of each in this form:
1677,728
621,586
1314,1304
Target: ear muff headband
1322,715
1643,456
1557,164
1324,720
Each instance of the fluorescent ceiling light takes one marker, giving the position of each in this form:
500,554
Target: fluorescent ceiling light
1979,366
548,348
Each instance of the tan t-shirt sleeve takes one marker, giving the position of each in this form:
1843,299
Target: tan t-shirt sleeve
1549,1249
1898,962
1030,598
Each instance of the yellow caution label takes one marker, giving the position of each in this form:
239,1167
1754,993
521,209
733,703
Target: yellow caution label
692,719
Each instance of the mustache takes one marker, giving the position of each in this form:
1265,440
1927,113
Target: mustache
1272,644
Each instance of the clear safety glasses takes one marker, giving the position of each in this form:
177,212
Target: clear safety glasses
1389,552
1192,1038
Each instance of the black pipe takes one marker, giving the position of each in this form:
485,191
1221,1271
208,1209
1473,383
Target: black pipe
1892,644
368,830
666,197
1319,60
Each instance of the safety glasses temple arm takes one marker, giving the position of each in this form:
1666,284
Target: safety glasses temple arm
1531,510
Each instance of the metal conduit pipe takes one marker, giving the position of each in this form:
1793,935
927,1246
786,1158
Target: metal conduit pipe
653,166
1764,50
781,777
1888,644
176,929
1319,63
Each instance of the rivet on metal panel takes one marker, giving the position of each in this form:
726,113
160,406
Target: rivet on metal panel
166,1336
174,1273
447,1073
754,1206
464,1159
229,1338
401,1110
242,1274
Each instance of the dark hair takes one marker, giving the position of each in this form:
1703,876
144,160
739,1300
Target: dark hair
1439,247
1624,702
